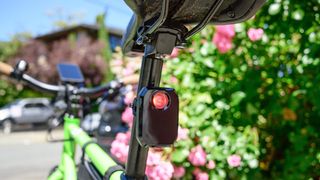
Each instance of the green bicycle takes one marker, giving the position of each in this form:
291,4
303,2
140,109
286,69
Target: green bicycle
70,94
156,27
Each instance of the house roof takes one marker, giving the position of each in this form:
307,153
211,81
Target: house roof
90,28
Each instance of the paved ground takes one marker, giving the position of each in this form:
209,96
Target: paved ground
27,155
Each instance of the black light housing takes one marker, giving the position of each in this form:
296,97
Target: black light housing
157,109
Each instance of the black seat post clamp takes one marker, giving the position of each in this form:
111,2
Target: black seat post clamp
112,170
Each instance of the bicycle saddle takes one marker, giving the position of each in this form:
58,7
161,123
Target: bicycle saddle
181,13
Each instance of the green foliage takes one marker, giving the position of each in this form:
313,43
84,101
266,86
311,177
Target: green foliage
8,91
10,48
103,36
259,100
12,91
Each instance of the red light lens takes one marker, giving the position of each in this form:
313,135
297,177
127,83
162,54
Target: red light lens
160,100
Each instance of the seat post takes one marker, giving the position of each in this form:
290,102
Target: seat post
156,45
149,77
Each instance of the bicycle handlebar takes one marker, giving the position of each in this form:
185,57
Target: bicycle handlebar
94,92
41,85
54,89
5,69
87,92
101,89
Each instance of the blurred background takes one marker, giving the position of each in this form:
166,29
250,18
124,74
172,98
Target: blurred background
249,93
45,34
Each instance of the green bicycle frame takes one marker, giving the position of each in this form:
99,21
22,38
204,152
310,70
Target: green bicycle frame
74,135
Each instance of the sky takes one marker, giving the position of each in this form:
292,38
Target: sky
38,16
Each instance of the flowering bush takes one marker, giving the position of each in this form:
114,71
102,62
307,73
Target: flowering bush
249,99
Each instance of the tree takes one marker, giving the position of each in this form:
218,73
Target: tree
103,36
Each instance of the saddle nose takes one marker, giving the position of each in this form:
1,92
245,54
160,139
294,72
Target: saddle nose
129,47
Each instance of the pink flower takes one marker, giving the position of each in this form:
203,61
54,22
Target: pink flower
128,71
200,175
255,34
234,160
150,171
162,171
179,171
123,138
173,79
223,43
182,133
120,146
223,37
153,158
174,53
226,30
128,99
133,65
191,49
211,164
127,116
120,150
118,62
197,156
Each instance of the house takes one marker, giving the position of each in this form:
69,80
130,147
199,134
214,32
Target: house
79,31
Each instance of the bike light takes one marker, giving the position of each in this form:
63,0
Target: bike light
157,111
160,100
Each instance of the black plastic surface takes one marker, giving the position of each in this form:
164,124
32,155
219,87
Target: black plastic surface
193,11
184,12
158,128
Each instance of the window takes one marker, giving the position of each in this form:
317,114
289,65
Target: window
35,105
114,41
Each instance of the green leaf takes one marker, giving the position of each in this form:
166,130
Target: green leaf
221,105
251,109
208,62
179,155
236,97
274,8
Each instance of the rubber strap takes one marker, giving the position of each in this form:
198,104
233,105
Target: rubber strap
111,170
84,148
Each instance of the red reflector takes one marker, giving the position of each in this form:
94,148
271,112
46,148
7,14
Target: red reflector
160,100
